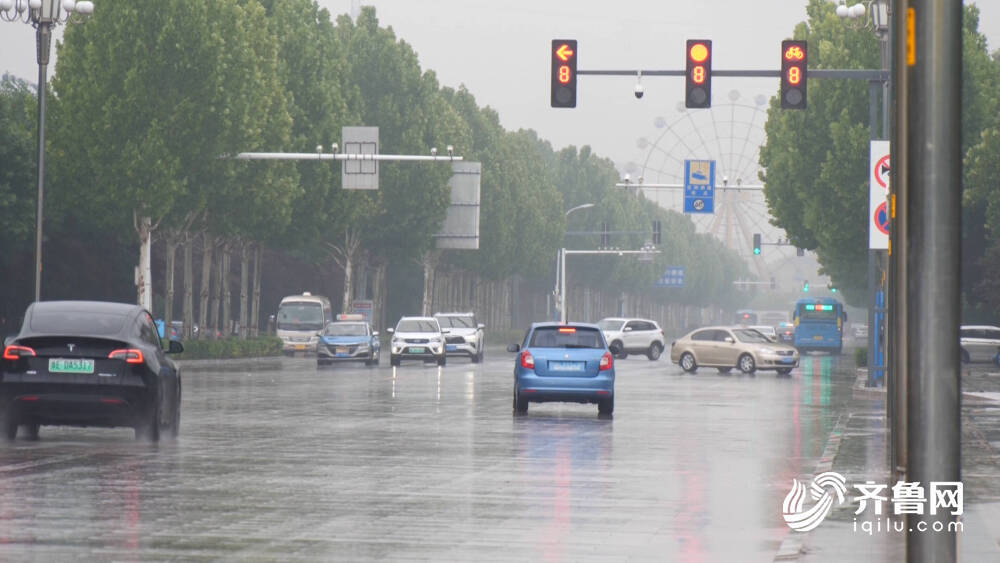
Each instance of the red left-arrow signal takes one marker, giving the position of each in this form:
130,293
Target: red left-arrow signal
564,52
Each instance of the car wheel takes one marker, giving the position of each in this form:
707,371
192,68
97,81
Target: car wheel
443,360
149,429
784,371
476,357
622,354
687,362
520,403
747,364
9,427
965,356
655,349
606,407
724,370
31,431
394,360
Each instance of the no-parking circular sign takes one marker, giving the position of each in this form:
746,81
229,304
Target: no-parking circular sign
882,218
878,190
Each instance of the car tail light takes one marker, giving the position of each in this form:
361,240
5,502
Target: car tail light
567,329
527,360
14,352
130,355
607,362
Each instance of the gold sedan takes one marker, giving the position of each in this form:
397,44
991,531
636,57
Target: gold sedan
725,347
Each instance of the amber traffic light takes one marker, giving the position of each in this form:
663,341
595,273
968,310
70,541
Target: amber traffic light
564,73
794,74
698,79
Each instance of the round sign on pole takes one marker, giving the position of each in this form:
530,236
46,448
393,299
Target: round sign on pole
882,218
882,172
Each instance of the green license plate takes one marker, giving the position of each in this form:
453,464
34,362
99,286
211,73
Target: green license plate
416,350
72,365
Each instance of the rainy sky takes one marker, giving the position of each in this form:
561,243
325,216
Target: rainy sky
499,51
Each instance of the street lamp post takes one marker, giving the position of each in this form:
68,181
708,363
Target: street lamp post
561,268
43,15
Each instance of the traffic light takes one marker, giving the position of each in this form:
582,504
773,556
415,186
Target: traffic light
794,74
698,79
657,237
605,238
774,283
564,73
756,243
831,287
805,286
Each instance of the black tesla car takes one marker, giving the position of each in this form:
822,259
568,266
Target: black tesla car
89,363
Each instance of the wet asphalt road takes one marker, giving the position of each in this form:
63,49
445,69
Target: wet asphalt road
280,461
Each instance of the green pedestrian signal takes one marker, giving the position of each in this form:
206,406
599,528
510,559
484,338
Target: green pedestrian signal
756,243
805,286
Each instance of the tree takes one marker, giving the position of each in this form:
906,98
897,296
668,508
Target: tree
18,193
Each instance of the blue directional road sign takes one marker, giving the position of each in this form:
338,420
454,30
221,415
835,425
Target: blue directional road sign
673,276
699,186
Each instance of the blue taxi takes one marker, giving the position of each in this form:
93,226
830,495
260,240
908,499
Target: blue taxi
349,338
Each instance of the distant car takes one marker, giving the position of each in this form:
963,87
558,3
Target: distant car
417,338
726,348
89,363
786,332
466,336
568,362
767,331
633,336
349,338
979,343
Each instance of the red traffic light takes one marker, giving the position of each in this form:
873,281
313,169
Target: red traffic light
563,73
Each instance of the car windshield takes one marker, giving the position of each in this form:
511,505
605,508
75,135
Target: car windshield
76,322
457,321
566,337
610,325
300,316
345,329
749,335
765,330
414,325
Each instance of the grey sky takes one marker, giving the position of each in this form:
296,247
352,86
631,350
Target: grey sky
499,50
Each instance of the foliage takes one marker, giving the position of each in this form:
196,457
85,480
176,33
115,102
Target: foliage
861,357
231,348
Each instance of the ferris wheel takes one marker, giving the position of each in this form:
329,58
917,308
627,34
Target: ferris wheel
730,133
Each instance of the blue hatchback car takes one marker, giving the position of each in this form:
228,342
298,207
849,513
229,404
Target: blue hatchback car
350,338
568,362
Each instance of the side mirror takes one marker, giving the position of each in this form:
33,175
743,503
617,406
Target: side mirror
616,348
730,340
628,329
513,347
375,333
390,330
175,347
480,325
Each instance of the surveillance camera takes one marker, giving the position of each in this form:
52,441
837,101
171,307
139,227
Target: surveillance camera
319,148
434,151
334,148
639,90
627,178
451,150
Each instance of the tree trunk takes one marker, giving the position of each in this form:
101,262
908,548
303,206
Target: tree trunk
227,294
144,279
188,286
206,278
255,309
378,300
430,262
244,287
217,289
170,240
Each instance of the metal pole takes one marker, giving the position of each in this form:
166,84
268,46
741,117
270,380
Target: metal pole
898,234
562,290
874,372
934,172
43,41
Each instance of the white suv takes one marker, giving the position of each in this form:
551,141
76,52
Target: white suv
633,336
980,343
419,338
465,336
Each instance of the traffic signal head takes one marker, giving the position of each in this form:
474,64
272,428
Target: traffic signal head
657,236
756,243
774,283
698,79
564,73
805,286
793,74
831,287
